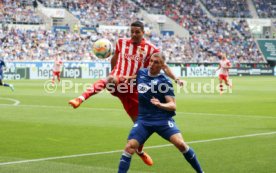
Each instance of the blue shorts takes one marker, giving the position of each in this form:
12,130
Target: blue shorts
142,130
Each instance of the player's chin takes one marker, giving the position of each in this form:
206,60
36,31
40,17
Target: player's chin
135,40
152,71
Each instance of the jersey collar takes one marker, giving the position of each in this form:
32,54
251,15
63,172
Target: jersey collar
150,75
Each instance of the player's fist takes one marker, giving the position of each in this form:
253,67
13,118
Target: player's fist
179,82
155,101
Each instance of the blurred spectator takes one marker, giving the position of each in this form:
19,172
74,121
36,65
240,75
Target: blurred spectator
35,4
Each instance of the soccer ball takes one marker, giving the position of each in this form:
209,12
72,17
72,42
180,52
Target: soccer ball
102,48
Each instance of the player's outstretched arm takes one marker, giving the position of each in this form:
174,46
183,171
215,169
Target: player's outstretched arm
169,72
168,106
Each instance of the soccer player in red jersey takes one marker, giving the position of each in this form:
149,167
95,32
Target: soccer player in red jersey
57,69
224,66
131,54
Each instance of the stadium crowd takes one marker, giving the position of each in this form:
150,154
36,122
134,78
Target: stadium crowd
209,38
228,8
92,13
265,8
18,12
40,45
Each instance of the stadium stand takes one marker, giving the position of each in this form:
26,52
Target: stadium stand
208,38
40,45
92,13
265,8
19,12
228,8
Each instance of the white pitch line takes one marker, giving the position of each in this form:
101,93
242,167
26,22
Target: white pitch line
116,109
150,147
227,115
16,102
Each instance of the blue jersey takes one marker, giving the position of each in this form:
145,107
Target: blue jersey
2,65
149,87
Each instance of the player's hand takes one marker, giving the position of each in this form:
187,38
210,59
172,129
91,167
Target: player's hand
179,82
124,79
127,79
155,101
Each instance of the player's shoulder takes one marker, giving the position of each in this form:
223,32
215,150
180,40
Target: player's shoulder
164,78
120,40
143,71
147,42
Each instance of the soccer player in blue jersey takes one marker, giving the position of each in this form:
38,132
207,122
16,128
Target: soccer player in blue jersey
156,108
2,66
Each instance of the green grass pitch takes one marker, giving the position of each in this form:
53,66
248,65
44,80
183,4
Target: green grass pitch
232,133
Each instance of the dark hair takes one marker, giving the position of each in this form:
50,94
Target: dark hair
138,24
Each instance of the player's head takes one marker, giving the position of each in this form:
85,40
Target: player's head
137,31
223,56
157,62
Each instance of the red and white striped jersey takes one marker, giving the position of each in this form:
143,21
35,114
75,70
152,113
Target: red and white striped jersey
223,64
57,65
132,57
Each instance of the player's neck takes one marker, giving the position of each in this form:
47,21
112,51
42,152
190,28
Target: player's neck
153,75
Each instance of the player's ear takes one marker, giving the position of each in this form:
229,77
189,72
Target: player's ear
164,65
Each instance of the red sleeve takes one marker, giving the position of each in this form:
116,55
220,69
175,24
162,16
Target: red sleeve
156,50
146,62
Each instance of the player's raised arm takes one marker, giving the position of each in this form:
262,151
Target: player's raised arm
169,73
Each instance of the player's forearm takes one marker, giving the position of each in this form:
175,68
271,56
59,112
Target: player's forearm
169,72
113,63
170,106
131,77
113,60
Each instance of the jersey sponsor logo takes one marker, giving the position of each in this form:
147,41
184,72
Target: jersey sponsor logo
154,82
141,51
143,88
134,57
